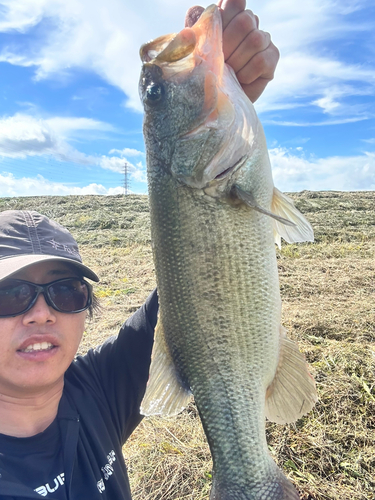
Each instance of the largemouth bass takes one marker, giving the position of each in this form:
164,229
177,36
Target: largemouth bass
215,217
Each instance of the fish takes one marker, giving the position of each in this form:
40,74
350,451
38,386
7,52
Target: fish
215,218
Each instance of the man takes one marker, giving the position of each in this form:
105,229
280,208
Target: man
63,421
62,424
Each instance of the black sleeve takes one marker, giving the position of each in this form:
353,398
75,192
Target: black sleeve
120,367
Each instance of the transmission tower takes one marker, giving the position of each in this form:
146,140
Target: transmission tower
126,178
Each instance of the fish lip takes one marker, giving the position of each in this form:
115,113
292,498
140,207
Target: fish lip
38,339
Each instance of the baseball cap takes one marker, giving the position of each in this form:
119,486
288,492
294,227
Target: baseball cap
27,237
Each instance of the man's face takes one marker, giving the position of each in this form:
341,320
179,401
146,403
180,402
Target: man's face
25,369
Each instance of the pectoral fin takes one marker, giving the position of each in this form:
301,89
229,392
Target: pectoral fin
292,392
248,198
165,394
299,230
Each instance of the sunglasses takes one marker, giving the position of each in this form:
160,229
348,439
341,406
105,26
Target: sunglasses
68,295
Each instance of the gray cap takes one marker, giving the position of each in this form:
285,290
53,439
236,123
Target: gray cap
27,237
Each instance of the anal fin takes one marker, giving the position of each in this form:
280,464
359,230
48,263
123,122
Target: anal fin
292,392
165,395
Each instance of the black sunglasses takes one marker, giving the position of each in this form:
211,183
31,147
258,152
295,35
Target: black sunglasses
68,295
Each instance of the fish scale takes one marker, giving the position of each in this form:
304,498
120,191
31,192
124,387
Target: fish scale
215,293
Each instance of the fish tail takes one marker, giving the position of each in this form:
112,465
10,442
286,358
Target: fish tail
277,488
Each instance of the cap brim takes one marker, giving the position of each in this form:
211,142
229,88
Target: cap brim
12,265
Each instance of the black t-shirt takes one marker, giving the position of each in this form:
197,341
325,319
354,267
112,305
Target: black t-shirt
37,461
80,454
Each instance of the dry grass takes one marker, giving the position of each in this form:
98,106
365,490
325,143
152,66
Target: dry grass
169,458
328,291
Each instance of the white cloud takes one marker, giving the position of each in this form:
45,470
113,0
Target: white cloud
293,172
140,173
65,125
127,152
334,100
21,16
117,164
300,77
114,163
23,135
327,103
40,186
294,24
339,121
102,36
105,37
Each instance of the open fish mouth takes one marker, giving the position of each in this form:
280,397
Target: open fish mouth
189,47
169,48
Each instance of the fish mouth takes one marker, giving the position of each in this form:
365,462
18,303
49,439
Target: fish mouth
178,54
169,48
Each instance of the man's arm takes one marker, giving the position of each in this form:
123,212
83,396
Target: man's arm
246,48
117,371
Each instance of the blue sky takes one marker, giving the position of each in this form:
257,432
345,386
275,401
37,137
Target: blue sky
70,116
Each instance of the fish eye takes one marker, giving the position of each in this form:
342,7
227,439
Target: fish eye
154,92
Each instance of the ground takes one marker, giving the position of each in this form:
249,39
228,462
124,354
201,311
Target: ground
328,292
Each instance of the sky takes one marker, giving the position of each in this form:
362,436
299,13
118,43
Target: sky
71,118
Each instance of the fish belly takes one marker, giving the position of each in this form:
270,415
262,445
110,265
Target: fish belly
220,310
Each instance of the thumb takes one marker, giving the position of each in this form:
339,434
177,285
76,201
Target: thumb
192,15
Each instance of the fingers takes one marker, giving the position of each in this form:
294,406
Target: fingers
248,50
258,72
255,89
262,64
255,43
230,9
239,35
192,15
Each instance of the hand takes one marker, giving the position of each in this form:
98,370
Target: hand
247,49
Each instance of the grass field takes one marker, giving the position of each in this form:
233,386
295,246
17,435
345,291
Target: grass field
328,292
